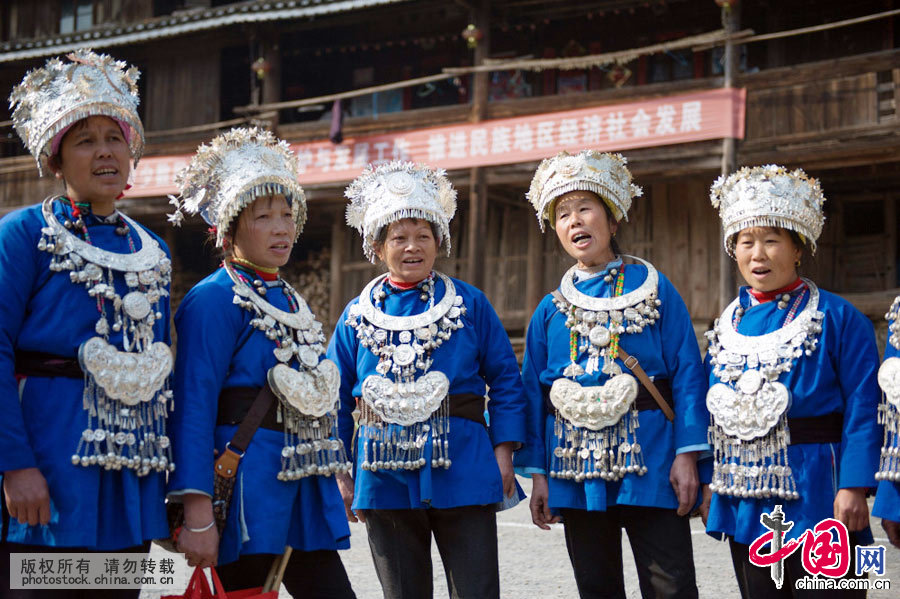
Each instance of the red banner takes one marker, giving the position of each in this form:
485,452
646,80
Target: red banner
699,116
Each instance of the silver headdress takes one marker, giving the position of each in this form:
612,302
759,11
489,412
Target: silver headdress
769,196
50,99
234,169
387,193
604,174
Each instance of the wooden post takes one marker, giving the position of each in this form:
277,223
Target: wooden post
335,289
727,279
271,88
534,281
478,184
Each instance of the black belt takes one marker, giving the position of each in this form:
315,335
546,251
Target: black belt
35,363
644,400
465,405
816,429
235,402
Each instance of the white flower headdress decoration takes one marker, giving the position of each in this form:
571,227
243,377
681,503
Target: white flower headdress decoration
231,172
396,190
52,98
769,196
602,173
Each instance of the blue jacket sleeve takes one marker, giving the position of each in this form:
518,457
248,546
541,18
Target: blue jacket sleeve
208,330
533,454
686,375
857,368
342,349
18,271
499,369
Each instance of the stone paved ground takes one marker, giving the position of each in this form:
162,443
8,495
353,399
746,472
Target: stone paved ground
533,563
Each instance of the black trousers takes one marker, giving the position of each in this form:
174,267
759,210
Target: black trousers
466,538
308,575
660,541
756,582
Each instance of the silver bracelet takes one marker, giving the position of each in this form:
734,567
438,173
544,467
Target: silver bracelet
204,529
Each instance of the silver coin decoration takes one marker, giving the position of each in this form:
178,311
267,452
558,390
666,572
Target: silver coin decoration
307,395
126,398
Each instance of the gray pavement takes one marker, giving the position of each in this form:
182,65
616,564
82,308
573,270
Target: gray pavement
534,563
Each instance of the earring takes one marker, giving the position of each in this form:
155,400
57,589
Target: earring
797,263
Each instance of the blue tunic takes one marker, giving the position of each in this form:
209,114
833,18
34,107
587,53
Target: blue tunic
476,354
887,500
666,350
42,417
839,377
218,349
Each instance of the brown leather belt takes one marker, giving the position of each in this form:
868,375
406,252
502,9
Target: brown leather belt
35,363
827,428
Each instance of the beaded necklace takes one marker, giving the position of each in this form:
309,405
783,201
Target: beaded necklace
782,304
252,278
613,351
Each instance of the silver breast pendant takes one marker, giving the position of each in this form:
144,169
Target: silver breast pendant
748,407
308,393
595,425
126,393
889,409
405,404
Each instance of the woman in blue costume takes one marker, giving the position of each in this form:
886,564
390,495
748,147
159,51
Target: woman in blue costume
85,321
585,399
241,330
887,500
792,395
415,351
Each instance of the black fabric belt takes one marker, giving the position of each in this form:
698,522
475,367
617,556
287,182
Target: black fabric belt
816,429
35,363
235,402
643,402
464,405
469,406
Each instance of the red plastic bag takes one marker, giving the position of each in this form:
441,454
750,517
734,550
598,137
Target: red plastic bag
198,588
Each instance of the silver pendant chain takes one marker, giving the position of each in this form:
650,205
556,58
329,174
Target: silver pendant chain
749,429
127,395
598,320
889,408
308,395
398,394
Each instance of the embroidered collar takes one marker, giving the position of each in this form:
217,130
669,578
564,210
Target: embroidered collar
767,296
582,275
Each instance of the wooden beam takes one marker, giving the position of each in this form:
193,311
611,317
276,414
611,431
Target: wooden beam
335,290
477,225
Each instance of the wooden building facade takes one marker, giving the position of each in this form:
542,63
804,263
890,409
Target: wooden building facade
826,101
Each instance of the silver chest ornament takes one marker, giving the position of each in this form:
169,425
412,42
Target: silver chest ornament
748,408
308,394
595,426
126,392
889,409
401,408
